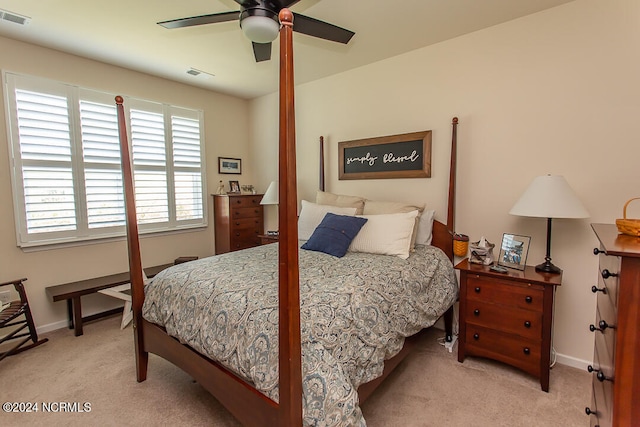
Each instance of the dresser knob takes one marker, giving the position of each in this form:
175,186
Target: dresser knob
597,251
594,328
606,274
476,312
527,324
602,377
526,351
528,299
596,289
604,325
476,336
477,289
591,369
590,411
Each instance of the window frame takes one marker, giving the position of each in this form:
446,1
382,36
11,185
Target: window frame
83,233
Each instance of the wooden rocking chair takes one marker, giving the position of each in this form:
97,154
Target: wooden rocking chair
10,318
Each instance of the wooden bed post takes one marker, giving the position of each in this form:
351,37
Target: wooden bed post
448,315
133,243
321,185
290,364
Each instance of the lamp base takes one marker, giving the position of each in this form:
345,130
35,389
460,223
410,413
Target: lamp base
548,267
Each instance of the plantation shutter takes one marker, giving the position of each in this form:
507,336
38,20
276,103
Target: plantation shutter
187,168
45,152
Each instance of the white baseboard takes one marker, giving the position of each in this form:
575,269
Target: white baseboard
573,361
43,329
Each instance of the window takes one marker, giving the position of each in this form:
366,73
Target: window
67,178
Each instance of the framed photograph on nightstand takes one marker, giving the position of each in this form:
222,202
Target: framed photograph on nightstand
514,251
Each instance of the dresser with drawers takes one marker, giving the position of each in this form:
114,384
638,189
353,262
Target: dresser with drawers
507,317
615,397
239,221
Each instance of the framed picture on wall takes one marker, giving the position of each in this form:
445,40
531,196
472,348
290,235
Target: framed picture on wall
514,251
229,165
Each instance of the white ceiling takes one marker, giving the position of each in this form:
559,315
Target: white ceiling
125,33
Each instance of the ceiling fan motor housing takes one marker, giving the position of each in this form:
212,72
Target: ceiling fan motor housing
258,29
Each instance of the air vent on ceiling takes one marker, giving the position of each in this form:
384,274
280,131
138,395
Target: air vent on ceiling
196,72
5,15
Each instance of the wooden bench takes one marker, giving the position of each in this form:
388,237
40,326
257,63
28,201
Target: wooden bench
72,292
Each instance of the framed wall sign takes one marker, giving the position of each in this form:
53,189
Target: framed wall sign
397,156
514,251
229,165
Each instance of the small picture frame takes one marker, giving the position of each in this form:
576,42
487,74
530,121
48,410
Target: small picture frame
229,165
234,187
513,251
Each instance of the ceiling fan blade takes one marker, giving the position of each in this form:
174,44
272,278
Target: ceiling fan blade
313,27
285,3
201,20
262,51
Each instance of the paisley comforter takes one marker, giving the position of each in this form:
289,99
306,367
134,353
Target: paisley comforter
355,312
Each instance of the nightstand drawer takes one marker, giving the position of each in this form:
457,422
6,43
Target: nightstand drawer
516,351
504,318
527,296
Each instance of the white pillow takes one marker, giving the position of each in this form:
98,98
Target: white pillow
326,198
312,214
425,227
386,234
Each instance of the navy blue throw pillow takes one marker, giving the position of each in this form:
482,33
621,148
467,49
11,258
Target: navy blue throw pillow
334,234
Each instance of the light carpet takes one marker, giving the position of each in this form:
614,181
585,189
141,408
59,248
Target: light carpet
429,388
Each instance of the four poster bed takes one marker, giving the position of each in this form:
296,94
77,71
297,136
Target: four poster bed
282,336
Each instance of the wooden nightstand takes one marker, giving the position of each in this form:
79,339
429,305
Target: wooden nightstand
507,317
265,239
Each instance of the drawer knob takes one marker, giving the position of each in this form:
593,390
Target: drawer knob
590,411
526,351
477,289
606,274
591,369
602,377
527,324
476,312
596,289
604,325
597,251
528,299
476,336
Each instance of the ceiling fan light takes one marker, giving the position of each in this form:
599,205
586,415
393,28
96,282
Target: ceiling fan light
260,29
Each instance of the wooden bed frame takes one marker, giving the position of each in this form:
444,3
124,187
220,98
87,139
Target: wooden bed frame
232,392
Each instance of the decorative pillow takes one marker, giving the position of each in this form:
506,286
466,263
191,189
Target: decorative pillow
334,234
425,227
387,234
311,215
324,198
372,207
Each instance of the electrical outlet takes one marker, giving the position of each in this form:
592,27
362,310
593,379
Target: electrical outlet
5,297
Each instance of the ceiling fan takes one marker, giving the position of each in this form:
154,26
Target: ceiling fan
259,21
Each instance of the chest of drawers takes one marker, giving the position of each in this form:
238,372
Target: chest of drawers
615,397
239,221
507,317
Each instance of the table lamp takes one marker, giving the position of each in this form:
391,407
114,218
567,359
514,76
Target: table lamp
549,196
271,197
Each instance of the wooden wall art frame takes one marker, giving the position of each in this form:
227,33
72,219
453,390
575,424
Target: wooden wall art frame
397,156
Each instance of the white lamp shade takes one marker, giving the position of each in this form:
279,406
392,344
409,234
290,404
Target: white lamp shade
271,196
549,196
260,29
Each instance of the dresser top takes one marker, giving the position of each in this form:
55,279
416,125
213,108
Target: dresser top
615,243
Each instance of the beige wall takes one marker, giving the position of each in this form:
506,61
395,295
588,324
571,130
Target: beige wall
552,93
226,133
